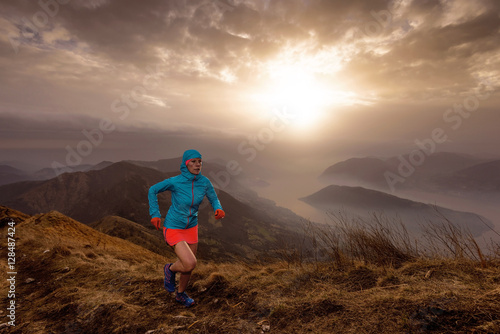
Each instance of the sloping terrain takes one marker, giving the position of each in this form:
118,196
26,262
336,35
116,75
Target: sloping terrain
122,228
74,279
120,189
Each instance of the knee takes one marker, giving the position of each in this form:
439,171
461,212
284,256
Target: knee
190,264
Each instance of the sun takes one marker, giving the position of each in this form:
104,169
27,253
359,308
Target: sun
298,89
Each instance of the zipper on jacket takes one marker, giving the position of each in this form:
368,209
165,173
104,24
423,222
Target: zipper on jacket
192,201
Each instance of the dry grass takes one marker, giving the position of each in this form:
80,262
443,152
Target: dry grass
385,241
87,282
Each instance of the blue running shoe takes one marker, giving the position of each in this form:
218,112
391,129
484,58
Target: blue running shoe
169,281
184,299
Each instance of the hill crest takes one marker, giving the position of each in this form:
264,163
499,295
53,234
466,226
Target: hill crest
70,283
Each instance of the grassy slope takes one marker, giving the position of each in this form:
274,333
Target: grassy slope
74,279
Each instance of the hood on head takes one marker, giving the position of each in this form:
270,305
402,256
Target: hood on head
188,155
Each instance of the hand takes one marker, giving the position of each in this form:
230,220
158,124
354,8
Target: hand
219,214
156,222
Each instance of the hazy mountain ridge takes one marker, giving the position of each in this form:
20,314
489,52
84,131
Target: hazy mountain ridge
483,177
10,174
86,196
430,175
121,190
358,201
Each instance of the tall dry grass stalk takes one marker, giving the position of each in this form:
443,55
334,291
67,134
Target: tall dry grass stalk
378,240
383,241
446,239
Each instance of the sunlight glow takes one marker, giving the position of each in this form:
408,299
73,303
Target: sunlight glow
299,90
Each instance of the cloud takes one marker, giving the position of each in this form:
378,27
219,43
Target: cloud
91,60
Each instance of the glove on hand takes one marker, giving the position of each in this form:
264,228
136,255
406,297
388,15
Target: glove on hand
219,214
156,222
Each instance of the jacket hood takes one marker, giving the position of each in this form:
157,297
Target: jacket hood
188,155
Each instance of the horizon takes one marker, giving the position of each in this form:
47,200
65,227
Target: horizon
292,198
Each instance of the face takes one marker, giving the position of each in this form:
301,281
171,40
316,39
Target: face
194,166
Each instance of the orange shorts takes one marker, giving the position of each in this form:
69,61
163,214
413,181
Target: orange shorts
173,236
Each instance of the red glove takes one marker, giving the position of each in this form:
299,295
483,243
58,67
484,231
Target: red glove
156,222
219,214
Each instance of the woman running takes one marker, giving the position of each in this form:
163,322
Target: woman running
180,228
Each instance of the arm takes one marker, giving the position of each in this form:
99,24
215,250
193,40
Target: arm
162,186
212,197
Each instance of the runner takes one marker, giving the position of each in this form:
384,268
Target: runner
180,228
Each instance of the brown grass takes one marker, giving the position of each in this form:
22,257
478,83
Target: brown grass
88,282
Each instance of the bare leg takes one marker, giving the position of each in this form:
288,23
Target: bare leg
185,264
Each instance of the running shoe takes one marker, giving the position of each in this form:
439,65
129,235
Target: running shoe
169,281
184,299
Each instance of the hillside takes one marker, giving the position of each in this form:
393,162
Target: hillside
363,202
480,178
10,174
74,279
251,227
87,196
128,230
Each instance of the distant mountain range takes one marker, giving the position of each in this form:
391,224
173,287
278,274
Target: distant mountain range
10,174
114,199
362,186
443,172
361,202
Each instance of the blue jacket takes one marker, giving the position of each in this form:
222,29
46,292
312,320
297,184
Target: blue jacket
188,191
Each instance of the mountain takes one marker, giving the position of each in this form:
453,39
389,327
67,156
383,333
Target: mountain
10,174
483,177
363,202
163,165
250,228
119,189
415,171
49,173
357,171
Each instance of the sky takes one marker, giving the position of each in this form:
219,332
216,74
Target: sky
290,86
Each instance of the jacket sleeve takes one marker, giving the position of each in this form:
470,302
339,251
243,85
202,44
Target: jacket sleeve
154,210
212,196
